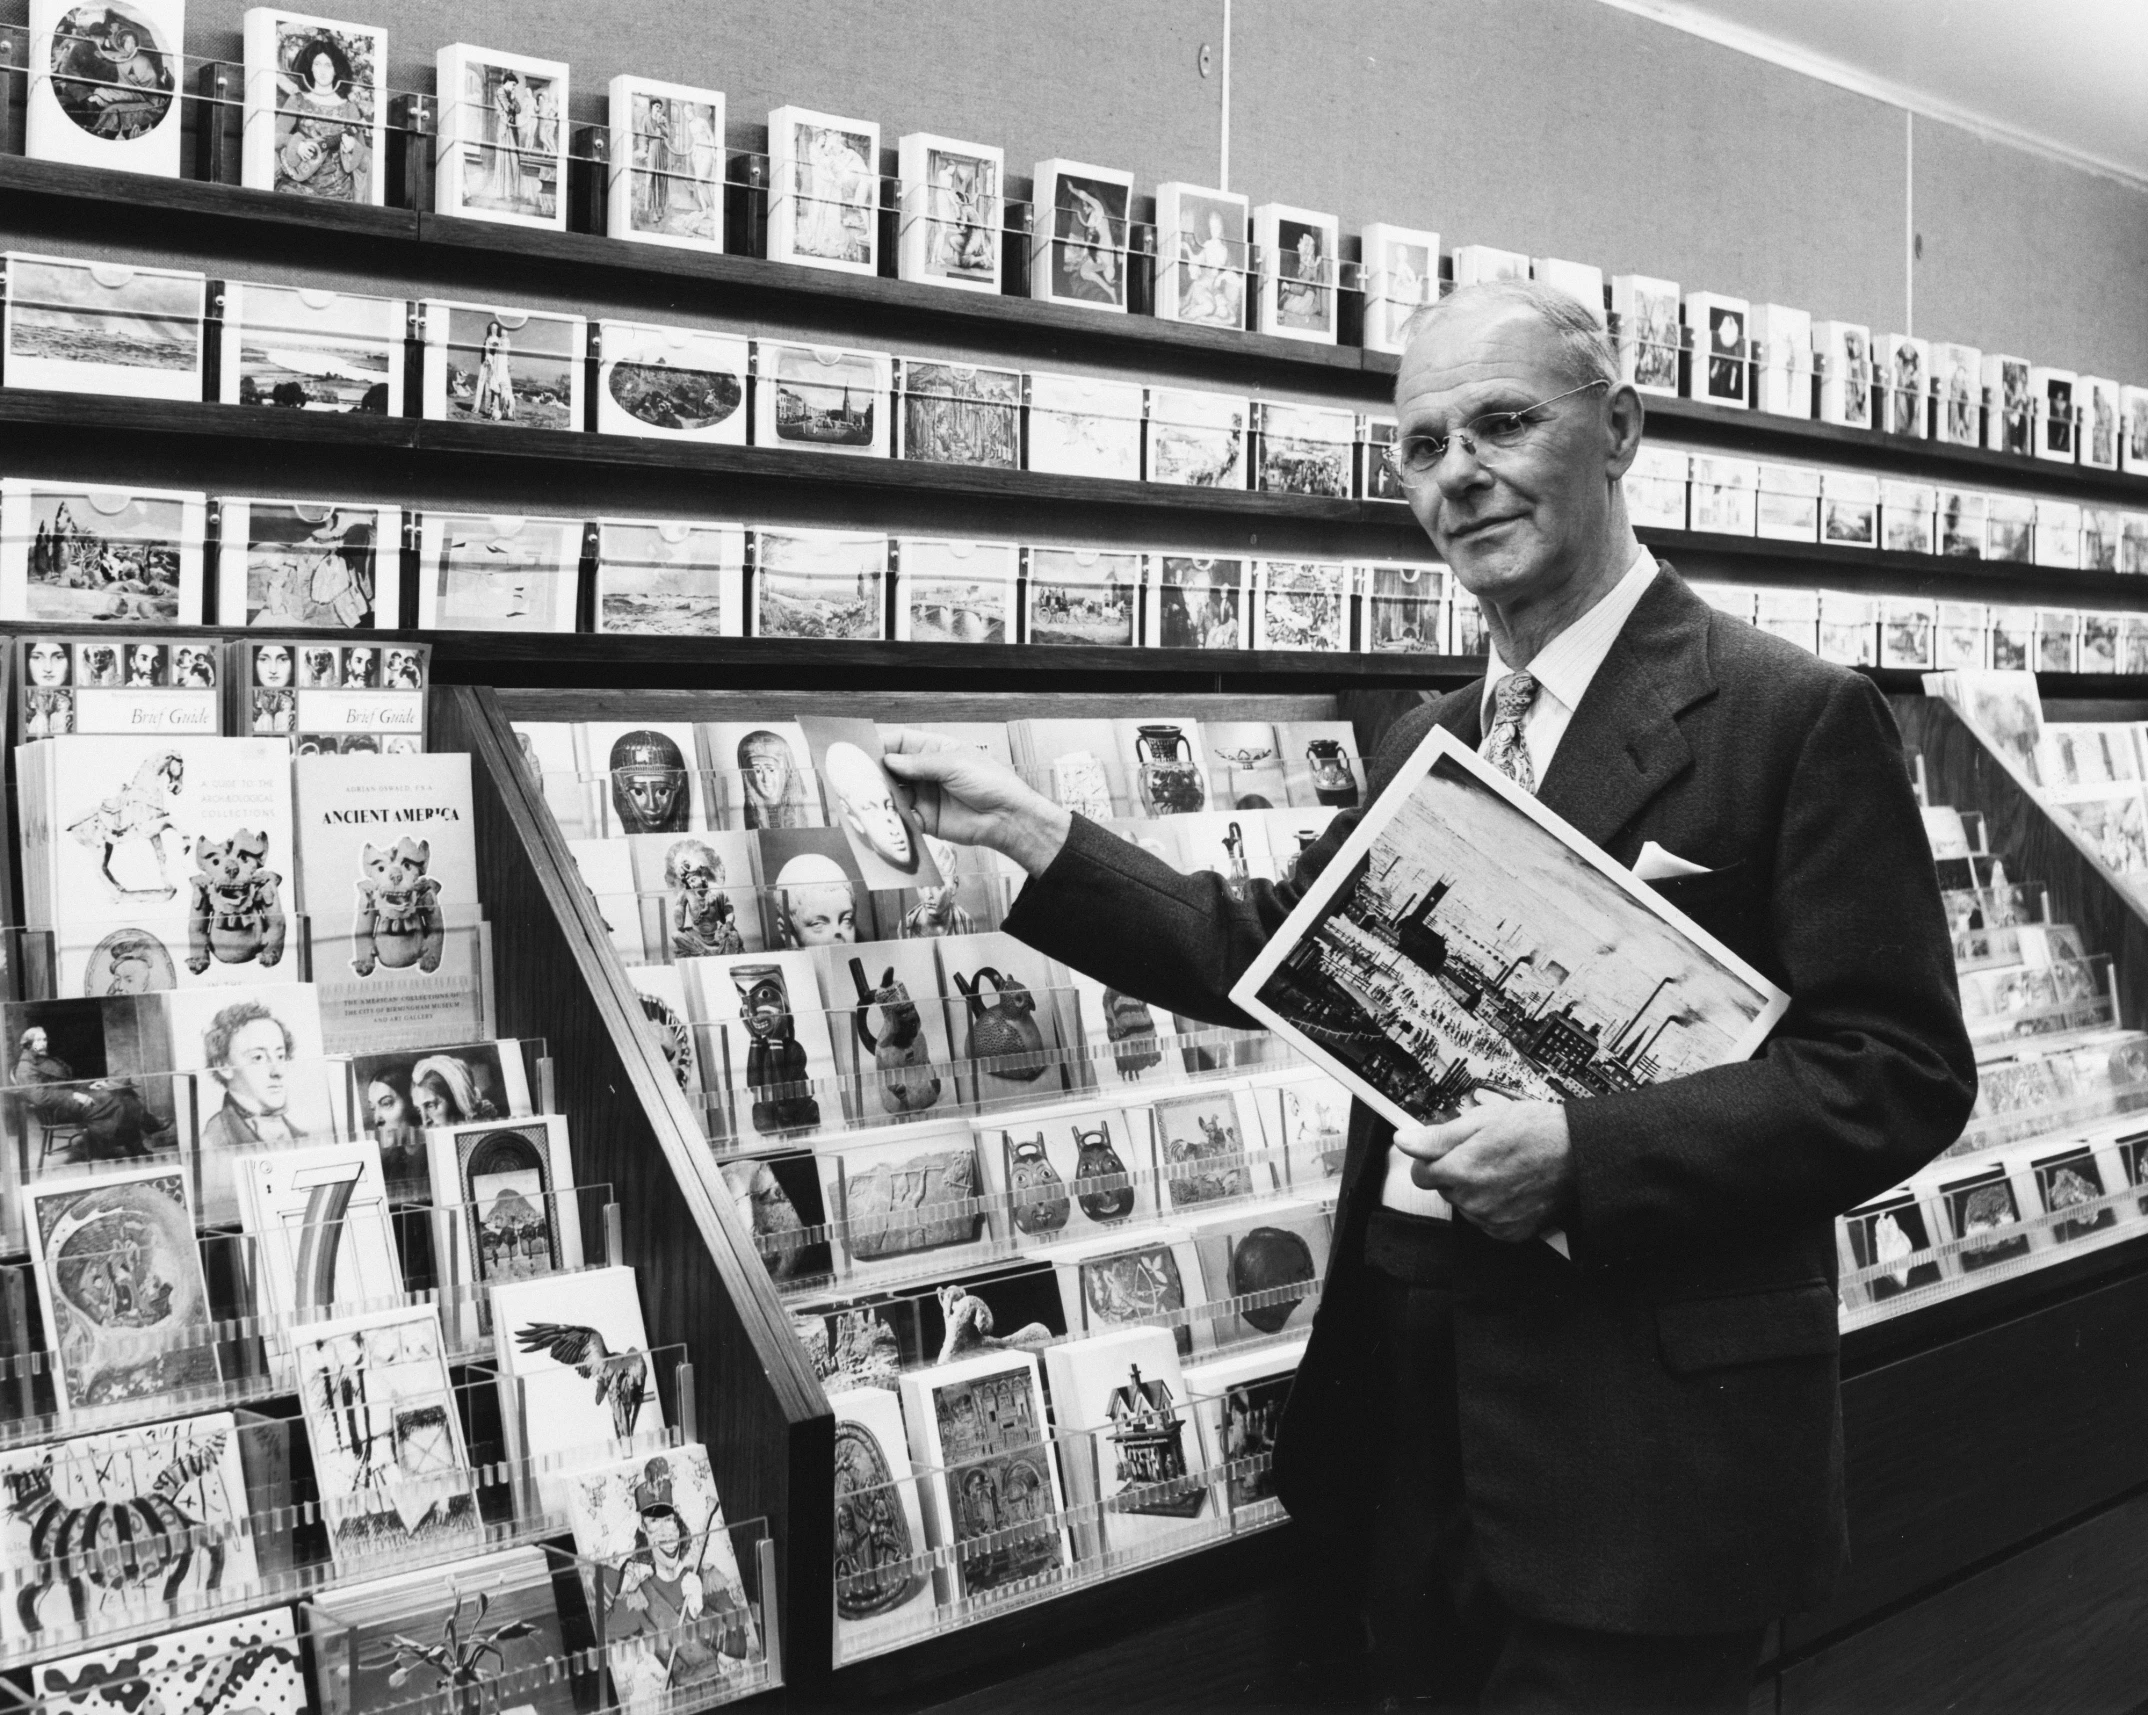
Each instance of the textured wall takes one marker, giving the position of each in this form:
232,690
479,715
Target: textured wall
1561,127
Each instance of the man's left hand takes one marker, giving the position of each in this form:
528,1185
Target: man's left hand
1505,1166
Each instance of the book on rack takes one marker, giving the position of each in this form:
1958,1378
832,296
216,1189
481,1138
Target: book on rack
388,873
116,683
329,698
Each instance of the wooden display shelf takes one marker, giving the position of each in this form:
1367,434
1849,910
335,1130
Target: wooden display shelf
189,444
68,201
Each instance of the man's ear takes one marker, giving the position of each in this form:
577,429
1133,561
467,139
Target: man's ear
1624,416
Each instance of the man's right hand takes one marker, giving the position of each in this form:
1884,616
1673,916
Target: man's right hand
965,796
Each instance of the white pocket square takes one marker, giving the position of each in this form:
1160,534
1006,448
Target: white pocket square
1656,864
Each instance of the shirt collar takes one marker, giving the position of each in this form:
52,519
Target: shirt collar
1566,665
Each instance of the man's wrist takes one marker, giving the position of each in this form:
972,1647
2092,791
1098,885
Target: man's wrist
1035,836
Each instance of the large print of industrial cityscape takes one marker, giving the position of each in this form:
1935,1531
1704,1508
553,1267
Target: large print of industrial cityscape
1471,948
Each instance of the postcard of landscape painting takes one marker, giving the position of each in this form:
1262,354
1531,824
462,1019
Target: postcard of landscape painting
1465,938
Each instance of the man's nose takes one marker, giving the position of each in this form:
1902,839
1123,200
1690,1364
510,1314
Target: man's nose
1459,469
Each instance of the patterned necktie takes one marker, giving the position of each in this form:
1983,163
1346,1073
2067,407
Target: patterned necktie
1503,747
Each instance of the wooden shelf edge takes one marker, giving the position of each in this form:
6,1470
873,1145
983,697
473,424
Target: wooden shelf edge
866,306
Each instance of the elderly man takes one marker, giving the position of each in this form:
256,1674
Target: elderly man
1581,1484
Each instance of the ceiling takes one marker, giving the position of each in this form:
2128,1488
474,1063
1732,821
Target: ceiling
2068,77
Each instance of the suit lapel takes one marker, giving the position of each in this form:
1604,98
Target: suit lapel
1623,745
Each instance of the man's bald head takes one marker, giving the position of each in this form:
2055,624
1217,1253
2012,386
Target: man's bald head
1580,349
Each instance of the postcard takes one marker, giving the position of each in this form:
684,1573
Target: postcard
501,152
1082,425
508,1188
815,893
1479,264
479,572
103,327
228,1667
1148,1275
1245,764
1080,235
179,1490
875,813
1010,1016
1305,449
79,555
299,563
1401,266
979,1430
1721,350
2010,407
1082,596
1303,605
672,383
483,1630
107,85
818,583
302,348
763,1025
318,1218
1238,1400
385,1428
1842,353
958,413
1903,377
1197,440
670,579
487,364
1957,394
315,113
126,1306
1299,250
1410,905
824,190
762,774
573,1358
1068,1173
954,592
1136,1477
883,1583
1266,1263
1202,260
1197,603
1648,332
664,180
906,1199
892,1044
1405,610
949,223
674,1615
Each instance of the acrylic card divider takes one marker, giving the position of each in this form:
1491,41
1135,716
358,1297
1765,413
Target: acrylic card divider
313,563
305,348
329,696
671,383
116,682
315,113
75,552
78,326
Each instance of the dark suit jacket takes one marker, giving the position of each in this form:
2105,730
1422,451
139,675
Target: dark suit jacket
1651,1434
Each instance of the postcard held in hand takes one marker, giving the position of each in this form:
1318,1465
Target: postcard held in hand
1464,939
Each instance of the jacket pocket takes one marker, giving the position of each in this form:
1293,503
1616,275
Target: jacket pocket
1697,1334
